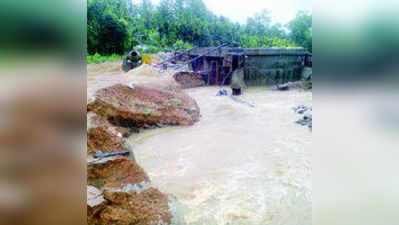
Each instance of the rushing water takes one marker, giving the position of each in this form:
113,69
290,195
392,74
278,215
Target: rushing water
238,165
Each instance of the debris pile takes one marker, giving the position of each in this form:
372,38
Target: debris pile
189,79
306,115
119,191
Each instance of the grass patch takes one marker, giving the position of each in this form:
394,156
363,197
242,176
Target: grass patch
97,58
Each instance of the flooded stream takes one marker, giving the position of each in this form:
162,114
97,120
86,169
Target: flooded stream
238,165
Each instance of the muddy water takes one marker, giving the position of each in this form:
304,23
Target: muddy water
239,165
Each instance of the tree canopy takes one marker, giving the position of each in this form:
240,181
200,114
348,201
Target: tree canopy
116,26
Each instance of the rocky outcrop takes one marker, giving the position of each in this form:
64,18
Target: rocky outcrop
104,136
149,207
124,130
189,79
115,172
142,105
100,139
119,190
119,193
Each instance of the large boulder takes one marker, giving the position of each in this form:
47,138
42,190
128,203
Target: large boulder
140,105
189,79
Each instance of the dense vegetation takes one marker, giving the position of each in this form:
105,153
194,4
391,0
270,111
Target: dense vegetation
116,26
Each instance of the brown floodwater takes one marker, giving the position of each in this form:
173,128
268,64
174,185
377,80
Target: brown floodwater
239,164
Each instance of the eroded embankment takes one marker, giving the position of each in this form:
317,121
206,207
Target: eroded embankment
119,190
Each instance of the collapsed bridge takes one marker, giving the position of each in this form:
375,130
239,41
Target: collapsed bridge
262,66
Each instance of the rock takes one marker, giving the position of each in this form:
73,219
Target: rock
115,173
99,139
141,105
118,190
103,136
115,128
189,79
149,207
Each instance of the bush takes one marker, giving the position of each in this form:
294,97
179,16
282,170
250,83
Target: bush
181,45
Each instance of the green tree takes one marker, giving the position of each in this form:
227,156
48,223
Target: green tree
300,28
112,36
117,26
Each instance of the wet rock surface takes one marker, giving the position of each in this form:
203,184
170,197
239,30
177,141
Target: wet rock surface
141,105
104,136
100,139
126,208
118,190
115,173
95,121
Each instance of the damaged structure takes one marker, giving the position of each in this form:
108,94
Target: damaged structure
262,66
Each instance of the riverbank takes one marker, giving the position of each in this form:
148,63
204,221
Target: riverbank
240,164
